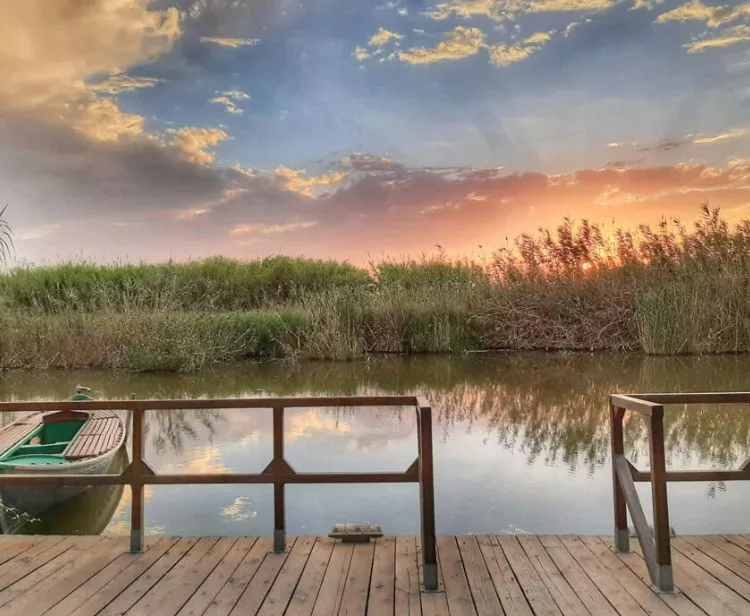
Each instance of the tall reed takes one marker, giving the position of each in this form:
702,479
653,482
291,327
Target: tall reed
663,290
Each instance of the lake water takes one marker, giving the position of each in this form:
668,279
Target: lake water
521,443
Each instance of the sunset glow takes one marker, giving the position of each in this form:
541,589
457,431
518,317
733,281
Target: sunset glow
137,129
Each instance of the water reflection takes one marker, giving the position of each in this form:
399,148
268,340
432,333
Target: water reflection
533,419
88,513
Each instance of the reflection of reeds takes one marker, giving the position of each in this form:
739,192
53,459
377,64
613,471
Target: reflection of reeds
663,290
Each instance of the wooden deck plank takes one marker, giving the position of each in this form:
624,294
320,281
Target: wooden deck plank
118,574
55,568
253,596
561,591
213,584
732,549
306,593
178,586
496,575
457,592
16,546
699,588
354,598
741,541
406,590
709,549
503,579
433,603
31,560
622,601
381,601
579,581
334,580
715,568
637,587
534,589
54,586
125,597
278,597
231,591
486,601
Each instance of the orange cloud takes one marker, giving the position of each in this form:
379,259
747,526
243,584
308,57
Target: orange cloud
382,37
713,16
462,42
193,143
726,38
504,55
293,180
255,230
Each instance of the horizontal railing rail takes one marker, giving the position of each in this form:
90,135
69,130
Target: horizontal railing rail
655,542
278,471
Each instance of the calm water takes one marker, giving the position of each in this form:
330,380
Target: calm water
521,444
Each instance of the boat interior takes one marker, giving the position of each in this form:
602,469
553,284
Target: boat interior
46,443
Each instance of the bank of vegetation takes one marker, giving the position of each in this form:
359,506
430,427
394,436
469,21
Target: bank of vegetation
669,289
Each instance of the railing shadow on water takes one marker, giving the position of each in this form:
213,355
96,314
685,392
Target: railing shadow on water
278,472
655,541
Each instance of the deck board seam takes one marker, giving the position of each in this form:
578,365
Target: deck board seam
200,583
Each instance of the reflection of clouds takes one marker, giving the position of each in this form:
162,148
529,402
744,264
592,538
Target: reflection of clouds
204,460
120,522
238,511
313,422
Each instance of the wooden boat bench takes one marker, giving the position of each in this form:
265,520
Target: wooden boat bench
20,431
98,436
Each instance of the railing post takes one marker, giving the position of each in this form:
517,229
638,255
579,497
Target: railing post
279,515
427,498
136,484
622,534
660,503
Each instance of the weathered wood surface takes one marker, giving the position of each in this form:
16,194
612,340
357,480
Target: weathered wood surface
99,435
11,435
493,575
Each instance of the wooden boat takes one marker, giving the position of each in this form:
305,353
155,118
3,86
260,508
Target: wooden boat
88,513
65,442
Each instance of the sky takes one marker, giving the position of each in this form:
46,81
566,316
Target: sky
139,130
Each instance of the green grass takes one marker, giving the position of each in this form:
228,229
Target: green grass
662,290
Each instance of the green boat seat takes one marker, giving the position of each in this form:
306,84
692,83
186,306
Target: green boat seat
34,460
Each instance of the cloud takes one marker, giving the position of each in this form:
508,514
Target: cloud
646,5
245,230
730,135
229,100
120,82
361,54
504,55
463,42
382,37
726,38
66,43
509,10
293,180
193,143
191,213
571,27
238,510
225,41
713,16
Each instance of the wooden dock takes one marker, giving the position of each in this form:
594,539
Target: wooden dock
486,575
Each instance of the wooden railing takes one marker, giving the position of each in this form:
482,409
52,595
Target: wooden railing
655,544
278,472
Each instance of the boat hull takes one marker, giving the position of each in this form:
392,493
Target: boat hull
33,501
